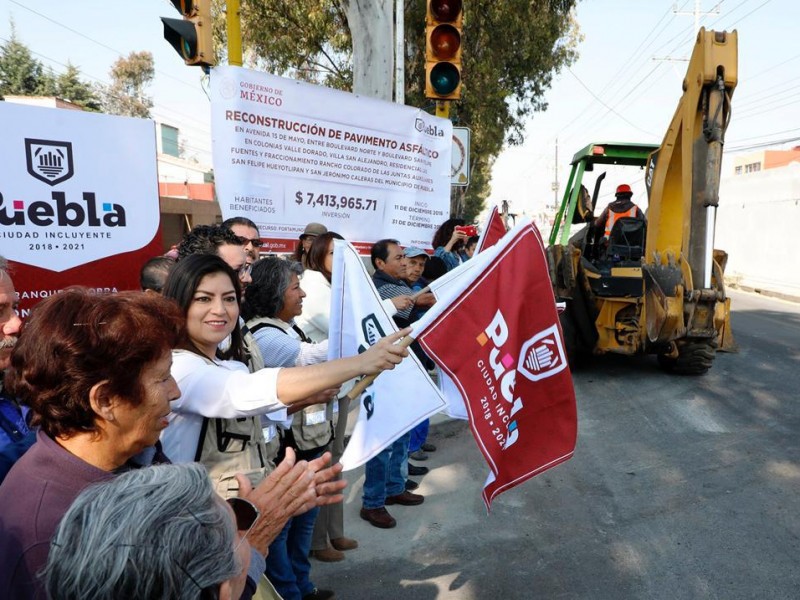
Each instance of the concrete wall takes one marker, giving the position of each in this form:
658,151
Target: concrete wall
758,225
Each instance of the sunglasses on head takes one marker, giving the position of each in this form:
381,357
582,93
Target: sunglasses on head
257,243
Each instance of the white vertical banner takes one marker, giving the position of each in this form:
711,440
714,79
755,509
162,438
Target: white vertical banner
287,153
398,399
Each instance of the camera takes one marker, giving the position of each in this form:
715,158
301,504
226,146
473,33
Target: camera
469,230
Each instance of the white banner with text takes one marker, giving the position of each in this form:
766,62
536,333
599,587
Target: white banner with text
287,153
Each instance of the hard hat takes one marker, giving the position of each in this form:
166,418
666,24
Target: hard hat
623,188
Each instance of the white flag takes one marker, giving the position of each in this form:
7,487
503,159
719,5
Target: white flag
398,399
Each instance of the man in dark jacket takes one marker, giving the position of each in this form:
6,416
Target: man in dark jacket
385,474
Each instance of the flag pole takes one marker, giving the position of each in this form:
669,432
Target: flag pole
365,381
416,295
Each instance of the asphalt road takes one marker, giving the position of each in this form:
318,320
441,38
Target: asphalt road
680,487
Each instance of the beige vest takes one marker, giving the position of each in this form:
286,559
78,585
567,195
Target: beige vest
230,446
311,427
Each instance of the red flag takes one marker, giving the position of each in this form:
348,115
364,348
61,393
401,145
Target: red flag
493,230
500,342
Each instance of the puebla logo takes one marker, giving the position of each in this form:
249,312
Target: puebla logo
51,162
540,357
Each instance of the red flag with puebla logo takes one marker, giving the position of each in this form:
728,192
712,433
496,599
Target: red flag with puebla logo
498,338
492,231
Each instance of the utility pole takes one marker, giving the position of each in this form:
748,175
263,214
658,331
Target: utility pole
697,13
555,179
399,52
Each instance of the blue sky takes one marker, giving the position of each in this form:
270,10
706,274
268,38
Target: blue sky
93,34
618,91
615,91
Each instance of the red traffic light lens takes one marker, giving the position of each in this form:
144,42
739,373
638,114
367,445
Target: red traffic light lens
445,10
444,78
445,42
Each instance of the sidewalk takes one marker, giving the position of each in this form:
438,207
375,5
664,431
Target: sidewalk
412,560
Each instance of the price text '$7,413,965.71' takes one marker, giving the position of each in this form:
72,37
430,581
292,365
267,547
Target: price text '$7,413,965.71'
334,201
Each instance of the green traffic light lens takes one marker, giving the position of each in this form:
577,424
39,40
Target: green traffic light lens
446,10
444,78
189,49
445,42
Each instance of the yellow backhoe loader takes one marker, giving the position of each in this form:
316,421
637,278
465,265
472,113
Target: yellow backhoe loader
654,286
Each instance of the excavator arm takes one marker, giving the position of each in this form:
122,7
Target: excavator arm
685,302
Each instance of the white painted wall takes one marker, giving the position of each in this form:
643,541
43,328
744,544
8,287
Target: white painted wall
758,225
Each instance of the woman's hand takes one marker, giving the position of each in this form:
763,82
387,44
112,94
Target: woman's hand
385,354
289,490
458,236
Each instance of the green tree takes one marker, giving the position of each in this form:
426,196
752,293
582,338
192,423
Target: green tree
307,39
47,85
511,51
20,73
130,77
23,75
69,86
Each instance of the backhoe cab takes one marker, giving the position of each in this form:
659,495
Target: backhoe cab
656,287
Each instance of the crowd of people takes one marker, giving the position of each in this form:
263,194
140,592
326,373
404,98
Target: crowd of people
183,441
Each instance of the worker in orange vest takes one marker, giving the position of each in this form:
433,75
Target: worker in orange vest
622,206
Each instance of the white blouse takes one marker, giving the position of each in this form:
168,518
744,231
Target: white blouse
224,390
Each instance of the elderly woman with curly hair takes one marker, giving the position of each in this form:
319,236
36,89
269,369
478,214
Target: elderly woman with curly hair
95,370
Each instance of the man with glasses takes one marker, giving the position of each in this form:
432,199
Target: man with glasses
222,242
247,231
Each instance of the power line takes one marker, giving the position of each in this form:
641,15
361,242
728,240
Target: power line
606,105
117,52
192,147
620,70
763,144
622,86
759,7
760,136
94,41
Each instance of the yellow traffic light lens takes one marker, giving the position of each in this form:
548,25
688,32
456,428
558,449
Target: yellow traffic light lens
444,78
445,42
445,10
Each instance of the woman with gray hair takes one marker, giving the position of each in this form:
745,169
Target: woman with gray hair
273,300
158,532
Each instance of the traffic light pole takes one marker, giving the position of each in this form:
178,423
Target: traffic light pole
234,27
442,109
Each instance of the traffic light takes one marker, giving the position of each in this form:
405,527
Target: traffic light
443,24
191,36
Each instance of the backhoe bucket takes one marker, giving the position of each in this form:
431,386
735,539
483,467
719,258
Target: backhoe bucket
725,340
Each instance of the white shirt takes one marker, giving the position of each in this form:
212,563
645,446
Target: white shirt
316,306
224,390
315,318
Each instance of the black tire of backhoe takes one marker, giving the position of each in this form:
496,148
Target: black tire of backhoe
694,358
570,337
